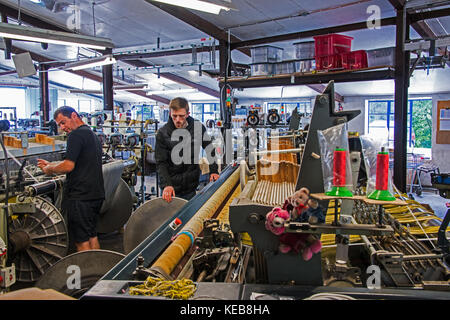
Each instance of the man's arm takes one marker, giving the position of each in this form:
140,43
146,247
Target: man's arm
162,157
57,167
213,168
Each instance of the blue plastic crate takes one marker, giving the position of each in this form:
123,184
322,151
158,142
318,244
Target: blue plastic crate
441,178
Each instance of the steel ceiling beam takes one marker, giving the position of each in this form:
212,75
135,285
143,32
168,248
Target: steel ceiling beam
157,54
199,23
82,73
177,78
424,15
30,19
8,11
419,24
309,33
189,83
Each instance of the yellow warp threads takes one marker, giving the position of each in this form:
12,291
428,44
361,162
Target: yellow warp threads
177,289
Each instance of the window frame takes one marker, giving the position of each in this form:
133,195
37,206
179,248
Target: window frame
390,110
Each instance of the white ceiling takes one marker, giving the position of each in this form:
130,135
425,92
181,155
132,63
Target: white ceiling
137,24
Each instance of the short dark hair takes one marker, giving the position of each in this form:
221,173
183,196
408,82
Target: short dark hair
179,103
65,111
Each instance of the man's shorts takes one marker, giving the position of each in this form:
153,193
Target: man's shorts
82,218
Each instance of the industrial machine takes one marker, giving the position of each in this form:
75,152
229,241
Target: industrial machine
219,241
33,229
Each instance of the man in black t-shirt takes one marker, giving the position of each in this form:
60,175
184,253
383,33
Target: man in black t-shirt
83,189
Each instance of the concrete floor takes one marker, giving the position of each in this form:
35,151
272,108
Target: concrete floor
434,200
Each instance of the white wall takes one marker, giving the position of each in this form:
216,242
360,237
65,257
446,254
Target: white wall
440,152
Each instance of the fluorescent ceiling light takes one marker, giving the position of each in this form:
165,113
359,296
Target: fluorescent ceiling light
12,31
176,91
197,5
130,87
85,91
90,63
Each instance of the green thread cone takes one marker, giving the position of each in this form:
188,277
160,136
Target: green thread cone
339,192
383,195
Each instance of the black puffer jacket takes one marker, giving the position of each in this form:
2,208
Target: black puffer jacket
184,174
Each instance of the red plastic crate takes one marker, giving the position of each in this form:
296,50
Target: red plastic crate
354,60
332,44
333,61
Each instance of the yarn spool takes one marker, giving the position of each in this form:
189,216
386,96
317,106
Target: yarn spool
339,167
381,184
339,175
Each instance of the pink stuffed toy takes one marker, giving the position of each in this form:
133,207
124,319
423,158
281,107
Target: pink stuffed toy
275,220
301,209
308,244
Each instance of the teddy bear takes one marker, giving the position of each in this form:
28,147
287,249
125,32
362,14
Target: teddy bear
308,244
313,214
297,203
302,209
275,220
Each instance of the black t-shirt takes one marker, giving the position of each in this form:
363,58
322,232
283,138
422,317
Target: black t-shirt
85,181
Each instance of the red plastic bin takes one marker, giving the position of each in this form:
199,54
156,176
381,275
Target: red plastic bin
354,60
333,61
329,44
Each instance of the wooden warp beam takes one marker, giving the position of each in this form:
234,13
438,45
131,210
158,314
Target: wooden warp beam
176,250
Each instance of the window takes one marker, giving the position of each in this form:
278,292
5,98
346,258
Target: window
381,121
302,107
13,97
149,111
205,111
84,106
79,105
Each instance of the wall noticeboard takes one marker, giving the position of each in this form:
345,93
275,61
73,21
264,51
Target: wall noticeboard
443,122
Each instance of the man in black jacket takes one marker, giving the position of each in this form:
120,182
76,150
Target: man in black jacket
177,152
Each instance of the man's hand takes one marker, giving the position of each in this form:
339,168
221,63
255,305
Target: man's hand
43,164
213,177
56,167
168,193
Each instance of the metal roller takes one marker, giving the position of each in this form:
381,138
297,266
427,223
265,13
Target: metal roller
44,187
120,206
90,265
38,240
147,218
